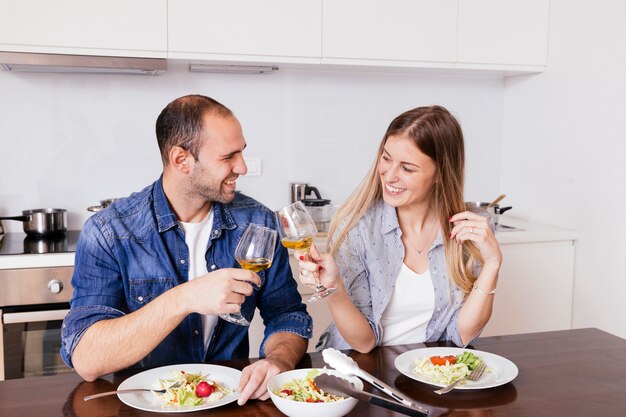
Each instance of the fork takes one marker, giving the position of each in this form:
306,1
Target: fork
160,391
472,376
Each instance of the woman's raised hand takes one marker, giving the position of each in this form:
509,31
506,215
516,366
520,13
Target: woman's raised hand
471,226
318,265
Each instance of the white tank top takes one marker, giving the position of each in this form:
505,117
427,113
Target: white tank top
411,306
197,240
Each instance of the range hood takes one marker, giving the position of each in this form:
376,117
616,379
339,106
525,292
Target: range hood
32,62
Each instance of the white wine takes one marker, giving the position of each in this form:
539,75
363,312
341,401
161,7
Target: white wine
302,244
255,264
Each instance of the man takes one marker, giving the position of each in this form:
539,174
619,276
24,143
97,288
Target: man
154,270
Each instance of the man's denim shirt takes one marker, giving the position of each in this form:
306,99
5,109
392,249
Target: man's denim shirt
134,251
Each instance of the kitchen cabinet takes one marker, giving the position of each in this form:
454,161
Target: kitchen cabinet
468,34
245,30
509,32
536,282
136,28
498,37
392,30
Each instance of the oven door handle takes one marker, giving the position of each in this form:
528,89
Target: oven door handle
34,316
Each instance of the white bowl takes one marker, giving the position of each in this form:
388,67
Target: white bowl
301,409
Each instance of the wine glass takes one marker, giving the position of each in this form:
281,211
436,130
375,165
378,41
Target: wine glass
296,229
254,252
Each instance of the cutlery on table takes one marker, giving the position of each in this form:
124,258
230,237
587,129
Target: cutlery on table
346,365
339,386
121,391
472,376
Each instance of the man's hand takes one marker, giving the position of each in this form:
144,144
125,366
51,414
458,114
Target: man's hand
254,379
283,351
220,292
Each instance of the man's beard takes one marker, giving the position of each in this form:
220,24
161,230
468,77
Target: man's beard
210,190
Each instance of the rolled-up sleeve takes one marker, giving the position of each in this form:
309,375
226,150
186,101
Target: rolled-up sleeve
98,291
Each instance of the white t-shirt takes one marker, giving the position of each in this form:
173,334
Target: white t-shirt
197,240
411,306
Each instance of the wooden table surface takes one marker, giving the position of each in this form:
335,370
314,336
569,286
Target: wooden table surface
567,373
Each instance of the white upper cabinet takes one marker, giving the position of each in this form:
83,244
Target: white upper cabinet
245,29
506,36
91,27
391,30
509,32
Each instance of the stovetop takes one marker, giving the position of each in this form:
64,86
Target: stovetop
22,244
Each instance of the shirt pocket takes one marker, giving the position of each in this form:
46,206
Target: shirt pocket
143,290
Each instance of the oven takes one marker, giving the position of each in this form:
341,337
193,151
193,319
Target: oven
33,304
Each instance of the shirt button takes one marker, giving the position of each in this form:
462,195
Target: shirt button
214,232
140,298
196,332
213,267
182,261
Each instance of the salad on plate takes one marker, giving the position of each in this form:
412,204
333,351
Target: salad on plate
189,389
446,369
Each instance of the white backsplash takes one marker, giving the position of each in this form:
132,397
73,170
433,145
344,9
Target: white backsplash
70,140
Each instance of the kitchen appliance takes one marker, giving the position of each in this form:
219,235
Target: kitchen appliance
33,303
319,208
23,244
60,63
42,222
493,211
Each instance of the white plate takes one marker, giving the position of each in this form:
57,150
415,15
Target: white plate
147,379
499,370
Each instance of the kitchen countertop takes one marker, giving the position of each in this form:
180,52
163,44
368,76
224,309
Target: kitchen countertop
531,233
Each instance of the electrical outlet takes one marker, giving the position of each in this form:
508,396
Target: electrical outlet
254,166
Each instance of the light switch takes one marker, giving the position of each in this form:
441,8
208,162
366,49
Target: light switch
254,166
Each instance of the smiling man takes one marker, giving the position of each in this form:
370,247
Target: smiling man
154,271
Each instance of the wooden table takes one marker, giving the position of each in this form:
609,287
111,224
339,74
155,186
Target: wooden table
568,373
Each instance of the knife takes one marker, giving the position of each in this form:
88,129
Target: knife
339,386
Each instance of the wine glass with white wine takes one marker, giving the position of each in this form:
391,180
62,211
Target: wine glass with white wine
297,229
254,252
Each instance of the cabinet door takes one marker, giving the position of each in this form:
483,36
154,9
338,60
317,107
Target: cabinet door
400,30
511,32
534,289
92,27
245,27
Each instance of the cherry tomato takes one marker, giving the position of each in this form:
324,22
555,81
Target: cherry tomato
287,391
441,360
204,389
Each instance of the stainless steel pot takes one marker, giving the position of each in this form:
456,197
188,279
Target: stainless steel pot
42,222
484,207
103,204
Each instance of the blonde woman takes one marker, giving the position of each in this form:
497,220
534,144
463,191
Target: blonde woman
410,264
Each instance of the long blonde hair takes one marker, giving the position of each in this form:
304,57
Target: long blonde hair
438,135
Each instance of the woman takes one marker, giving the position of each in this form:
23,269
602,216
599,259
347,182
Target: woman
410,264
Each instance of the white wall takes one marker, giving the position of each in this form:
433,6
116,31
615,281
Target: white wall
69,141
564,151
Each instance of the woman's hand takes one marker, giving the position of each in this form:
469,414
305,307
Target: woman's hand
474,227
322,266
